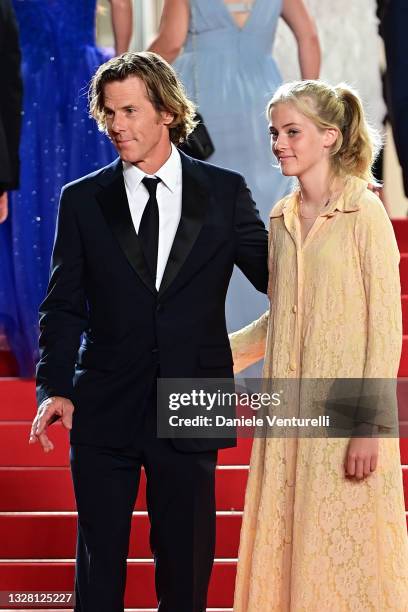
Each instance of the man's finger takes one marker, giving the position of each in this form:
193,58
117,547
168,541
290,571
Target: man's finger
45,442
33,428
46,419
67,420
32,439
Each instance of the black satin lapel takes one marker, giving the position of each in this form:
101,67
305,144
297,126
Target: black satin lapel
193,209
115,208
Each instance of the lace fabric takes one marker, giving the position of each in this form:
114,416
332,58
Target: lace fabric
311,538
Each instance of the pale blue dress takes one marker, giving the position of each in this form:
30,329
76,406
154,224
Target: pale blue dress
236,76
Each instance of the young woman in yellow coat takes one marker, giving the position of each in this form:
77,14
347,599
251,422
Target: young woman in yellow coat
324,522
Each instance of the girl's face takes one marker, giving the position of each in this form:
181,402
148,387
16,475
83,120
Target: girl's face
298,144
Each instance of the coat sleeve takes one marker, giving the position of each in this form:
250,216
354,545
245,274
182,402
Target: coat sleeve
63,313
251,254
379,260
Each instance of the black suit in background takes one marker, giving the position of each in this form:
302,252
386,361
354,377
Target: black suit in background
100,287
10,98
393,16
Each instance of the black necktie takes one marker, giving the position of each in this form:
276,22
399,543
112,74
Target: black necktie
149,226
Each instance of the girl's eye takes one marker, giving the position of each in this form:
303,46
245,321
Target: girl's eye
293,132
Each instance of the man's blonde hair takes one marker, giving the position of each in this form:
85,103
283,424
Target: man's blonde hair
164,89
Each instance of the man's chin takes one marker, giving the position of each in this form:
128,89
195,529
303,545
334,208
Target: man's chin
127,156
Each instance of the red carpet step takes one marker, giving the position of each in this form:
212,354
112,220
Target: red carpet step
401,233
42,489
53,536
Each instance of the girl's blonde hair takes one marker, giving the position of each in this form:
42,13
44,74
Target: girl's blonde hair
339,107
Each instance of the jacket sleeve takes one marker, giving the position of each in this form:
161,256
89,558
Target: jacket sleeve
11,98
63,313
251,254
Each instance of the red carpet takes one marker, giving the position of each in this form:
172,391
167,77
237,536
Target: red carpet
37,510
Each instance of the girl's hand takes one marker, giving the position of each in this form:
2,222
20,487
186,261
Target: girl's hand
361,457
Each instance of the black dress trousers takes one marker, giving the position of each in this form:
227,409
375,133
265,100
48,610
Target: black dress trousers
181,509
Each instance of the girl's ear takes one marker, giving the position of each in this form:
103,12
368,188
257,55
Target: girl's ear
330,137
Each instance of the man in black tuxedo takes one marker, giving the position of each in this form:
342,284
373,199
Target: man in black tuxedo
143,255
10,104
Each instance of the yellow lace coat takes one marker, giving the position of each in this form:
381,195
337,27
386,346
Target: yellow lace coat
313,540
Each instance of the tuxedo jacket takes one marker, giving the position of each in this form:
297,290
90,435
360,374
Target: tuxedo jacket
106,330
10,99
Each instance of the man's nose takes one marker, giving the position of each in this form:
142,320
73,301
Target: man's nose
117,124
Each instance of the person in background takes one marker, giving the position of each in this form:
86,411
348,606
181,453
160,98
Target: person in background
58,143
324,522
354,56
393,29
222,51
10,104
10,128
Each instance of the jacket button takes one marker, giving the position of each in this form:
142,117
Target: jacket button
294,309
155,351
292,367
159,307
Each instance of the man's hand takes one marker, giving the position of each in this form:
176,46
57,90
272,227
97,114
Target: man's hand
51,410
3,207
361,457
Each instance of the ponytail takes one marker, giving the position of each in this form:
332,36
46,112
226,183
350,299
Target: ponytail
360,143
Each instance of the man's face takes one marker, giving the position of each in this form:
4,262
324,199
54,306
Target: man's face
139,133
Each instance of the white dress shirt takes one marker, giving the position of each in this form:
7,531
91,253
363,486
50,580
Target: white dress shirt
169,192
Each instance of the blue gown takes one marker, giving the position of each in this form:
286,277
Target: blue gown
59,143
231,74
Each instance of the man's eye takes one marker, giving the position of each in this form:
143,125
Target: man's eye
130,111
108,113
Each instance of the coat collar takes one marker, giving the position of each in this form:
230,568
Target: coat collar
115,208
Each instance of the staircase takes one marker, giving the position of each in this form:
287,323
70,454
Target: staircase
37,507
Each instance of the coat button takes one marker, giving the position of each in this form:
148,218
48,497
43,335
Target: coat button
294,309
159,307
292,367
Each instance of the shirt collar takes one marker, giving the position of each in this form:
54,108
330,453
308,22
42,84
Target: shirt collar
346,201
169,173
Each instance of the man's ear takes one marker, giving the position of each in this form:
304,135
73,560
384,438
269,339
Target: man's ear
167,118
